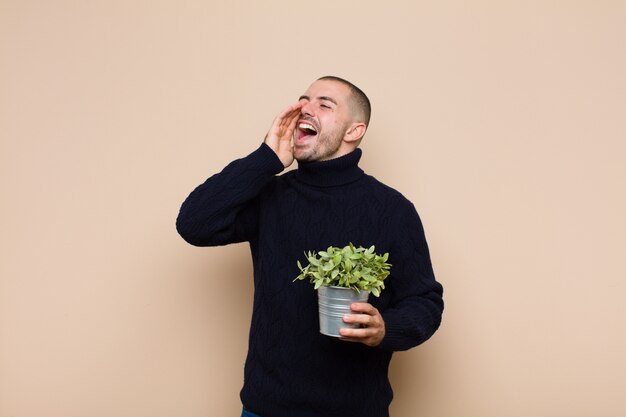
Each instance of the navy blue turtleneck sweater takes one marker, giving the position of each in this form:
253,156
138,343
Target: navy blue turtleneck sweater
291,369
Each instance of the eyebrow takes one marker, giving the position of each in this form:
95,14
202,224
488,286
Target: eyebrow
325,98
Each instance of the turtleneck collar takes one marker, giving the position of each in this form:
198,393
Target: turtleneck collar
331,173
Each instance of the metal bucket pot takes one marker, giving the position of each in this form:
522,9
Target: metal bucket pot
334,302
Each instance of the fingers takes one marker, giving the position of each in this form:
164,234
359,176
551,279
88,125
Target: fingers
279,136
287,119
364,320
373,330
366,308
292,108
369,336
284,125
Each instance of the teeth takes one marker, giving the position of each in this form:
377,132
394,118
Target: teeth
306,126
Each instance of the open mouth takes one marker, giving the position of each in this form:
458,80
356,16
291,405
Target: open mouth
306,130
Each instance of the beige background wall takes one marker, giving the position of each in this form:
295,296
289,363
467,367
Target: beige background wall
504,122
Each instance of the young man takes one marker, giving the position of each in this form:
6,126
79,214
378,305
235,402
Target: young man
291,369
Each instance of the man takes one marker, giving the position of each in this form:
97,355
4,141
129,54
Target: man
291,369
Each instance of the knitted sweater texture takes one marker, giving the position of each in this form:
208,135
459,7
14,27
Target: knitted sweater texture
291,369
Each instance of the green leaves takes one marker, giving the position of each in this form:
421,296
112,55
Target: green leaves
350,267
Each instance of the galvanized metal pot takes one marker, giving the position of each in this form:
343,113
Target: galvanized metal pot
334,302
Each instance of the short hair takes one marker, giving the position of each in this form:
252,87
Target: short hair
358,96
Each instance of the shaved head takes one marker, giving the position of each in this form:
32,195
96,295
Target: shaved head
359,103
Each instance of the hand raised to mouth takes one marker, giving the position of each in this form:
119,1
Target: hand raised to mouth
279,136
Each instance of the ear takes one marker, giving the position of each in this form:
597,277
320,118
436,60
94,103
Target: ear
355,132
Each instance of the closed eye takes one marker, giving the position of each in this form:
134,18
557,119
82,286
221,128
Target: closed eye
326,106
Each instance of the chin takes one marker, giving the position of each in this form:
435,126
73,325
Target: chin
303,155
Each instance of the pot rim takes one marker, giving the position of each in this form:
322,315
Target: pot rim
342,288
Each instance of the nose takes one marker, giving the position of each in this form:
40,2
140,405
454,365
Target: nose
307,109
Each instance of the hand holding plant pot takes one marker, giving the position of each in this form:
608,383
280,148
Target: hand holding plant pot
343,276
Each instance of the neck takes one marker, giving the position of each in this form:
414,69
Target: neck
332,172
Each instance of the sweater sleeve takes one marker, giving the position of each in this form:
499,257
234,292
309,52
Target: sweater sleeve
222,209
417,298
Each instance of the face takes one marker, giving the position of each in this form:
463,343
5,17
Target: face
324,120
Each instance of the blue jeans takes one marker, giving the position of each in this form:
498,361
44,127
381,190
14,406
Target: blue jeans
247,413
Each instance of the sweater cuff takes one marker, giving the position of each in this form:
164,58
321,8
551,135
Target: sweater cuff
267,160
394,337
398,335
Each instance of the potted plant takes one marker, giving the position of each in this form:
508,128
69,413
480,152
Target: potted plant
343,276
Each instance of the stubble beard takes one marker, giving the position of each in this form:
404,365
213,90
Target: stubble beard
326,145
